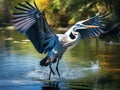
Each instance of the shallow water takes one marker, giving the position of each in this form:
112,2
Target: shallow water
91,65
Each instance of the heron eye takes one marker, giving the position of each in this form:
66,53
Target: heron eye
79,25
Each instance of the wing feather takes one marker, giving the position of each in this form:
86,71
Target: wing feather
92,32
30,20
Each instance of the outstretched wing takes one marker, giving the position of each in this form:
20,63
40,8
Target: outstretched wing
92,32
30,20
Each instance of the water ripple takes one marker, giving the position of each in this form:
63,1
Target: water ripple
10,83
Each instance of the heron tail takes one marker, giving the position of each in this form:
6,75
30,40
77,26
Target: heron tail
44,61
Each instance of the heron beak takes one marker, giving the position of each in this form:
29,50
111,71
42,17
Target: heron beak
83,21
91,26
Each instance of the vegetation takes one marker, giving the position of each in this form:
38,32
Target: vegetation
65,12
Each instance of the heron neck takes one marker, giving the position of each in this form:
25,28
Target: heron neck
71,42
72,36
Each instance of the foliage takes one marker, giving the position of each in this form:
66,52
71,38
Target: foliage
65,12
43,4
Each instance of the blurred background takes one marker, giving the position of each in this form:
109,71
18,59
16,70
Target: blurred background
64,13
94,64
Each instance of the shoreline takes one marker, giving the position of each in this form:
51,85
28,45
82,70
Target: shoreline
7,28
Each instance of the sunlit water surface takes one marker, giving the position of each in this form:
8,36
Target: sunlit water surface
91,65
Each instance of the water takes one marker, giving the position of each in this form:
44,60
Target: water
91,65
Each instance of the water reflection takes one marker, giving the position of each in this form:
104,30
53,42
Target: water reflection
92,65
51,86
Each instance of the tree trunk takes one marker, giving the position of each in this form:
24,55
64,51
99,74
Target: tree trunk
116,8
6,11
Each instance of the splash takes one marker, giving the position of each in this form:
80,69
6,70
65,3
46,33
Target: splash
66,73
95,65
38,74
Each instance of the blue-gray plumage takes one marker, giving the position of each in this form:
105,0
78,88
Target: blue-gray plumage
29,20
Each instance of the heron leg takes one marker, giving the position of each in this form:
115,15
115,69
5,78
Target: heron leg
51,70
57,69
50,74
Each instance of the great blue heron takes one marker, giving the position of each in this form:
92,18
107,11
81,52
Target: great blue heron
31,21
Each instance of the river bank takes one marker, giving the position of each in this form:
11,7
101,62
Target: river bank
110,39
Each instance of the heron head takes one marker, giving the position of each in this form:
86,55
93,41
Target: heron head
81,25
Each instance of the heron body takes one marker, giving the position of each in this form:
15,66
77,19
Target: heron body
29,20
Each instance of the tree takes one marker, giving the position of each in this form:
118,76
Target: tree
65,12
6,11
